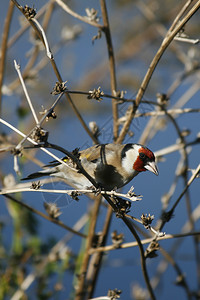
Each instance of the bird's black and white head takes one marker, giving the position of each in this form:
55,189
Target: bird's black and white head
137,158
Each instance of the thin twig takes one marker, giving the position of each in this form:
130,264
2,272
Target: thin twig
39,123
192,178
175,147
145,241
186,40
172,111
26,26
48,51
17,68
68,192
180,14
180,79
66,8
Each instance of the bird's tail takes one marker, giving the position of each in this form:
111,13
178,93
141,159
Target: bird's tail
40,174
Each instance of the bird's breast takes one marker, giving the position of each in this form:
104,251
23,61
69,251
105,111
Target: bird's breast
108,177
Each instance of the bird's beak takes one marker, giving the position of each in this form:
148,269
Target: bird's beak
151,166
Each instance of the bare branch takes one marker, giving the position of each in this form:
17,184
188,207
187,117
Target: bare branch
66,8
17,68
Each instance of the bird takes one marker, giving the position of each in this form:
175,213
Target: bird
111,166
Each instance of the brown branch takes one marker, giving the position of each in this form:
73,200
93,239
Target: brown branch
96,260
145,241
180,14
4,45
113,81
82,285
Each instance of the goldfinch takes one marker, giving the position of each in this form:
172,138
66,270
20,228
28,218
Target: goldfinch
111,165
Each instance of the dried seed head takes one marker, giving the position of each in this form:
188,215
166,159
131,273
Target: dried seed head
114,294
162,99
36,185
92,14
96,94
147,219
52,210
29,12
40,135
117,239
59,88
151,250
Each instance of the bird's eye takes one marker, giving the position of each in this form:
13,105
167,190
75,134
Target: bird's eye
142,155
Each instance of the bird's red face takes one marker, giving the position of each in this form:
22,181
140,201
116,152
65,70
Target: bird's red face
145,161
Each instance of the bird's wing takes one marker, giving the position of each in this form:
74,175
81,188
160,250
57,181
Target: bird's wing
91,154
97,152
